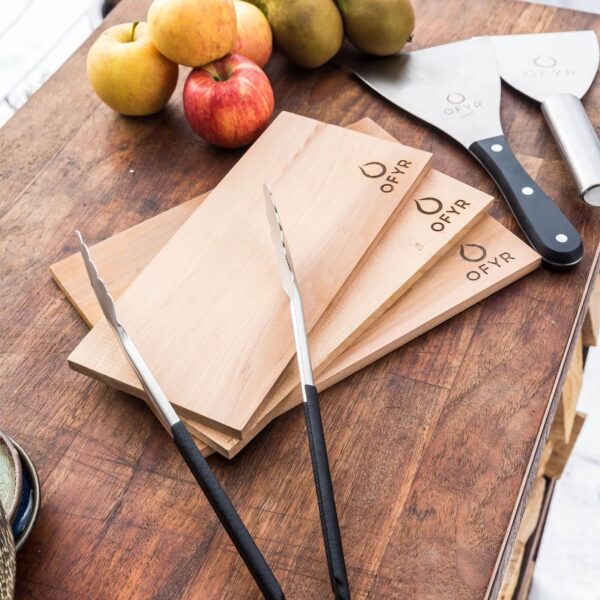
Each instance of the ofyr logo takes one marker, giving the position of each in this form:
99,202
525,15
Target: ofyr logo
376,169
434,206
459,105
545,62
475,253
547,66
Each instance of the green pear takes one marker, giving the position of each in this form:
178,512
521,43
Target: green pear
379,27
307,32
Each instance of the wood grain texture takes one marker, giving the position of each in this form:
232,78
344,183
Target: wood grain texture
591,325
407,250
567,407
526,529
561,451
440,210
453,284
209,313
120,258
461,415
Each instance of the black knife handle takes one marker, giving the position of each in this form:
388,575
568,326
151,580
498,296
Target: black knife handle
544,225
325,497
224,509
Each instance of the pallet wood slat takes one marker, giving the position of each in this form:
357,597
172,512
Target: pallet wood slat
546,454
562,451
527,527
567,407
591,324
511,576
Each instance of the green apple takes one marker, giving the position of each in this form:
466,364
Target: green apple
192,32
127,71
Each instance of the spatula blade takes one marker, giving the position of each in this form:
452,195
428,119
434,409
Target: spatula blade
543,64
455,87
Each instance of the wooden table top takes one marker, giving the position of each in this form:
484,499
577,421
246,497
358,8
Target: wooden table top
432,448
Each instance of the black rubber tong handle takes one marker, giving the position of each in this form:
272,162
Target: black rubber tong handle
325,497
544,225
231,521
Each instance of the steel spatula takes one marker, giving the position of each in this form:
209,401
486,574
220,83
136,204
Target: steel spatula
456,87
557,69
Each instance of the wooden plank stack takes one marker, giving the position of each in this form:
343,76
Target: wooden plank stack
565,430
385,248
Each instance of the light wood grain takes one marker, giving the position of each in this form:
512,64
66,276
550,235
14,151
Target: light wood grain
405,253
511,577
440,210
545,457
567,407
412,243
562,451
208,313
120,259
591,324
529,522
443,293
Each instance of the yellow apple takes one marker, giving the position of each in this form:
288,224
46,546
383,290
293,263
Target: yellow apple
127,71
192,32
254,38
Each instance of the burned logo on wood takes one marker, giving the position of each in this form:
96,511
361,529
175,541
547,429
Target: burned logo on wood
443,215
376,169
476,253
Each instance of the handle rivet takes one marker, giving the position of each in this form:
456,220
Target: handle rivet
497,148
561,238
527,191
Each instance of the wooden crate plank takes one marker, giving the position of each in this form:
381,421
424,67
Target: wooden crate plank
591,325
532,510
526,529
561,452
562,425
546,454
511,576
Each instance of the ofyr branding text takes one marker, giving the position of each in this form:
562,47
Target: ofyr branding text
443,215
545,66
376,169
460,105
475,253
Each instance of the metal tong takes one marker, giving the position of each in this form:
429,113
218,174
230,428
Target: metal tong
162,408
312,413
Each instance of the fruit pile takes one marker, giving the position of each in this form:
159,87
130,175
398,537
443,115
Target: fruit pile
227,98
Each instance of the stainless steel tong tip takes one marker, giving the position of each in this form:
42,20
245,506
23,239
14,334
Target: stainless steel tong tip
107,304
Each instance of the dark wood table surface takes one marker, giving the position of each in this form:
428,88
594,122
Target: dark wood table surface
432,448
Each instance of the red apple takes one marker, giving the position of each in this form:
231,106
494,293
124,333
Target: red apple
228,102
254,39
